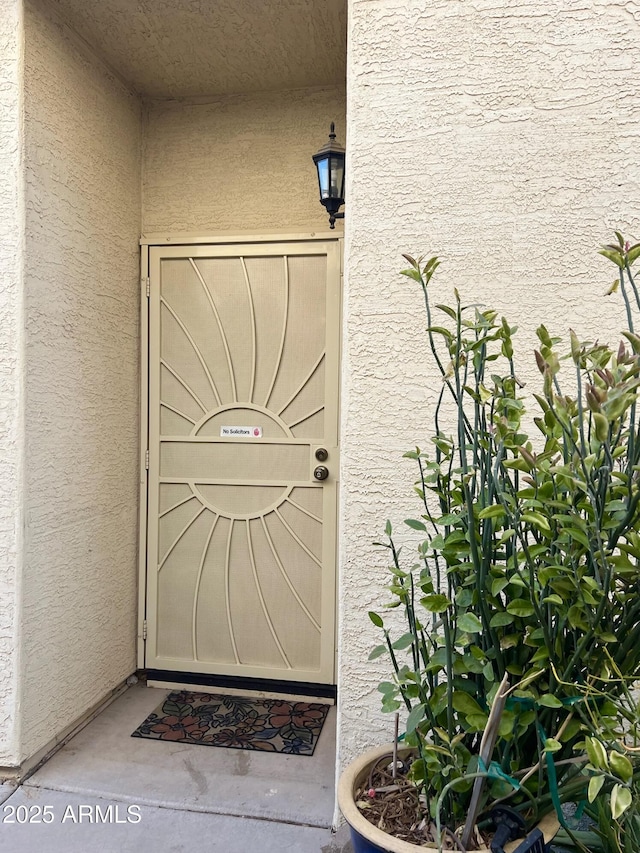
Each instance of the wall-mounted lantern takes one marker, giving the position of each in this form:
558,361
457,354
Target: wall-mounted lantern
330,165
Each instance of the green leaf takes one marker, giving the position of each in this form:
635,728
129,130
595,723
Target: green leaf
377,652
477,721
634,340
487,671
553,599
499,620
404,641
571,730
633,254
430,267
536,519
552,745
541,655
436,602
621,766
460,785
621,799
465,704
415,718
448,520
575,346
466,664
601,424
447,310
595,784
507,723
498,584
437,750
616,257
464,597
607,637
440,330
520,607
387,528
596,753
507,534
485,395
576,534
438,659
549,701
576,618
437,543
469,623
545,574
543,336
494,511
478,653
377,621
415,274
415,524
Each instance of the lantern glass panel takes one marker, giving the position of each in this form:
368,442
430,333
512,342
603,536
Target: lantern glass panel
337,177
323,177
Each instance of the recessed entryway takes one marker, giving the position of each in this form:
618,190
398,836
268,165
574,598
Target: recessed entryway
103,157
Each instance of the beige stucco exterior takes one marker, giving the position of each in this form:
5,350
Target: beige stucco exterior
502,136
172,49
78,342
11,378
219,166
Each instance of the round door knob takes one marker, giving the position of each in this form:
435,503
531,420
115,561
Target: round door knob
322,454
321,473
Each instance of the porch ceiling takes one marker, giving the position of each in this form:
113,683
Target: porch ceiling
196,48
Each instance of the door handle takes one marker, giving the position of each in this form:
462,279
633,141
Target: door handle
321,473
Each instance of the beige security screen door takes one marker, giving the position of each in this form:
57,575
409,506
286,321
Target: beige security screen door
243,378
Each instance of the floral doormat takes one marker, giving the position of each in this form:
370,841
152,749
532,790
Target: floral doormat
269,725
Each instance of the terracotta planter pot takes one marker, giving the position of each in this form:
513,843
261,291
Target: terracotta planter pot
367,838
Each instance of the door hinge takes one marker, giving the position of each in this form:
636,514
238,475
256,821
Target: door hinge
146,459
144,630
147,285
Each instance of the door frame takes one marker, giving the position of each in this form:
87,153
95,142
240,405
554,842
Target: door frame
148,241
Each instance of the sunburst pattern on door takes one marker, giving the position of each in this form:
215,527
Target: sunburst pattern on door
241,343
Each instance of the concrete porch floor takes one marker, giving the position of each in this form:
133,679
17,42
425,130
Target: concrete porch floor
188,796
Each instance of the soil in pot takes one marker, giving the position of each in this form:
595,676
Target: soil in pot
392,805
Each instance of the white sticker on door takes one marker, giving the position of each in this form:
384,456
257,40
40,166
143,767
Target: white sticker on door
240,432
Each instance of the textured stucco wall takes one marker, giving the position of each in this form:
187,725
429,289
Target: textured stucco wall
502,135
238,163
82,132
11,387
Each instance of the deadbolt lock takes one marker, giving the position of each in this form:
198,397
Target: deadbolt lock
322,454
321,473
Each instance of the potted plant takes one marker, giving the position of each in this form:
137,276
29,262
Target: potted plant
516,629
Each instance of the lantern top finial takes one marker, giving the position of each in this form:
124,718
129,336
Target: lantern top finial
330,147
